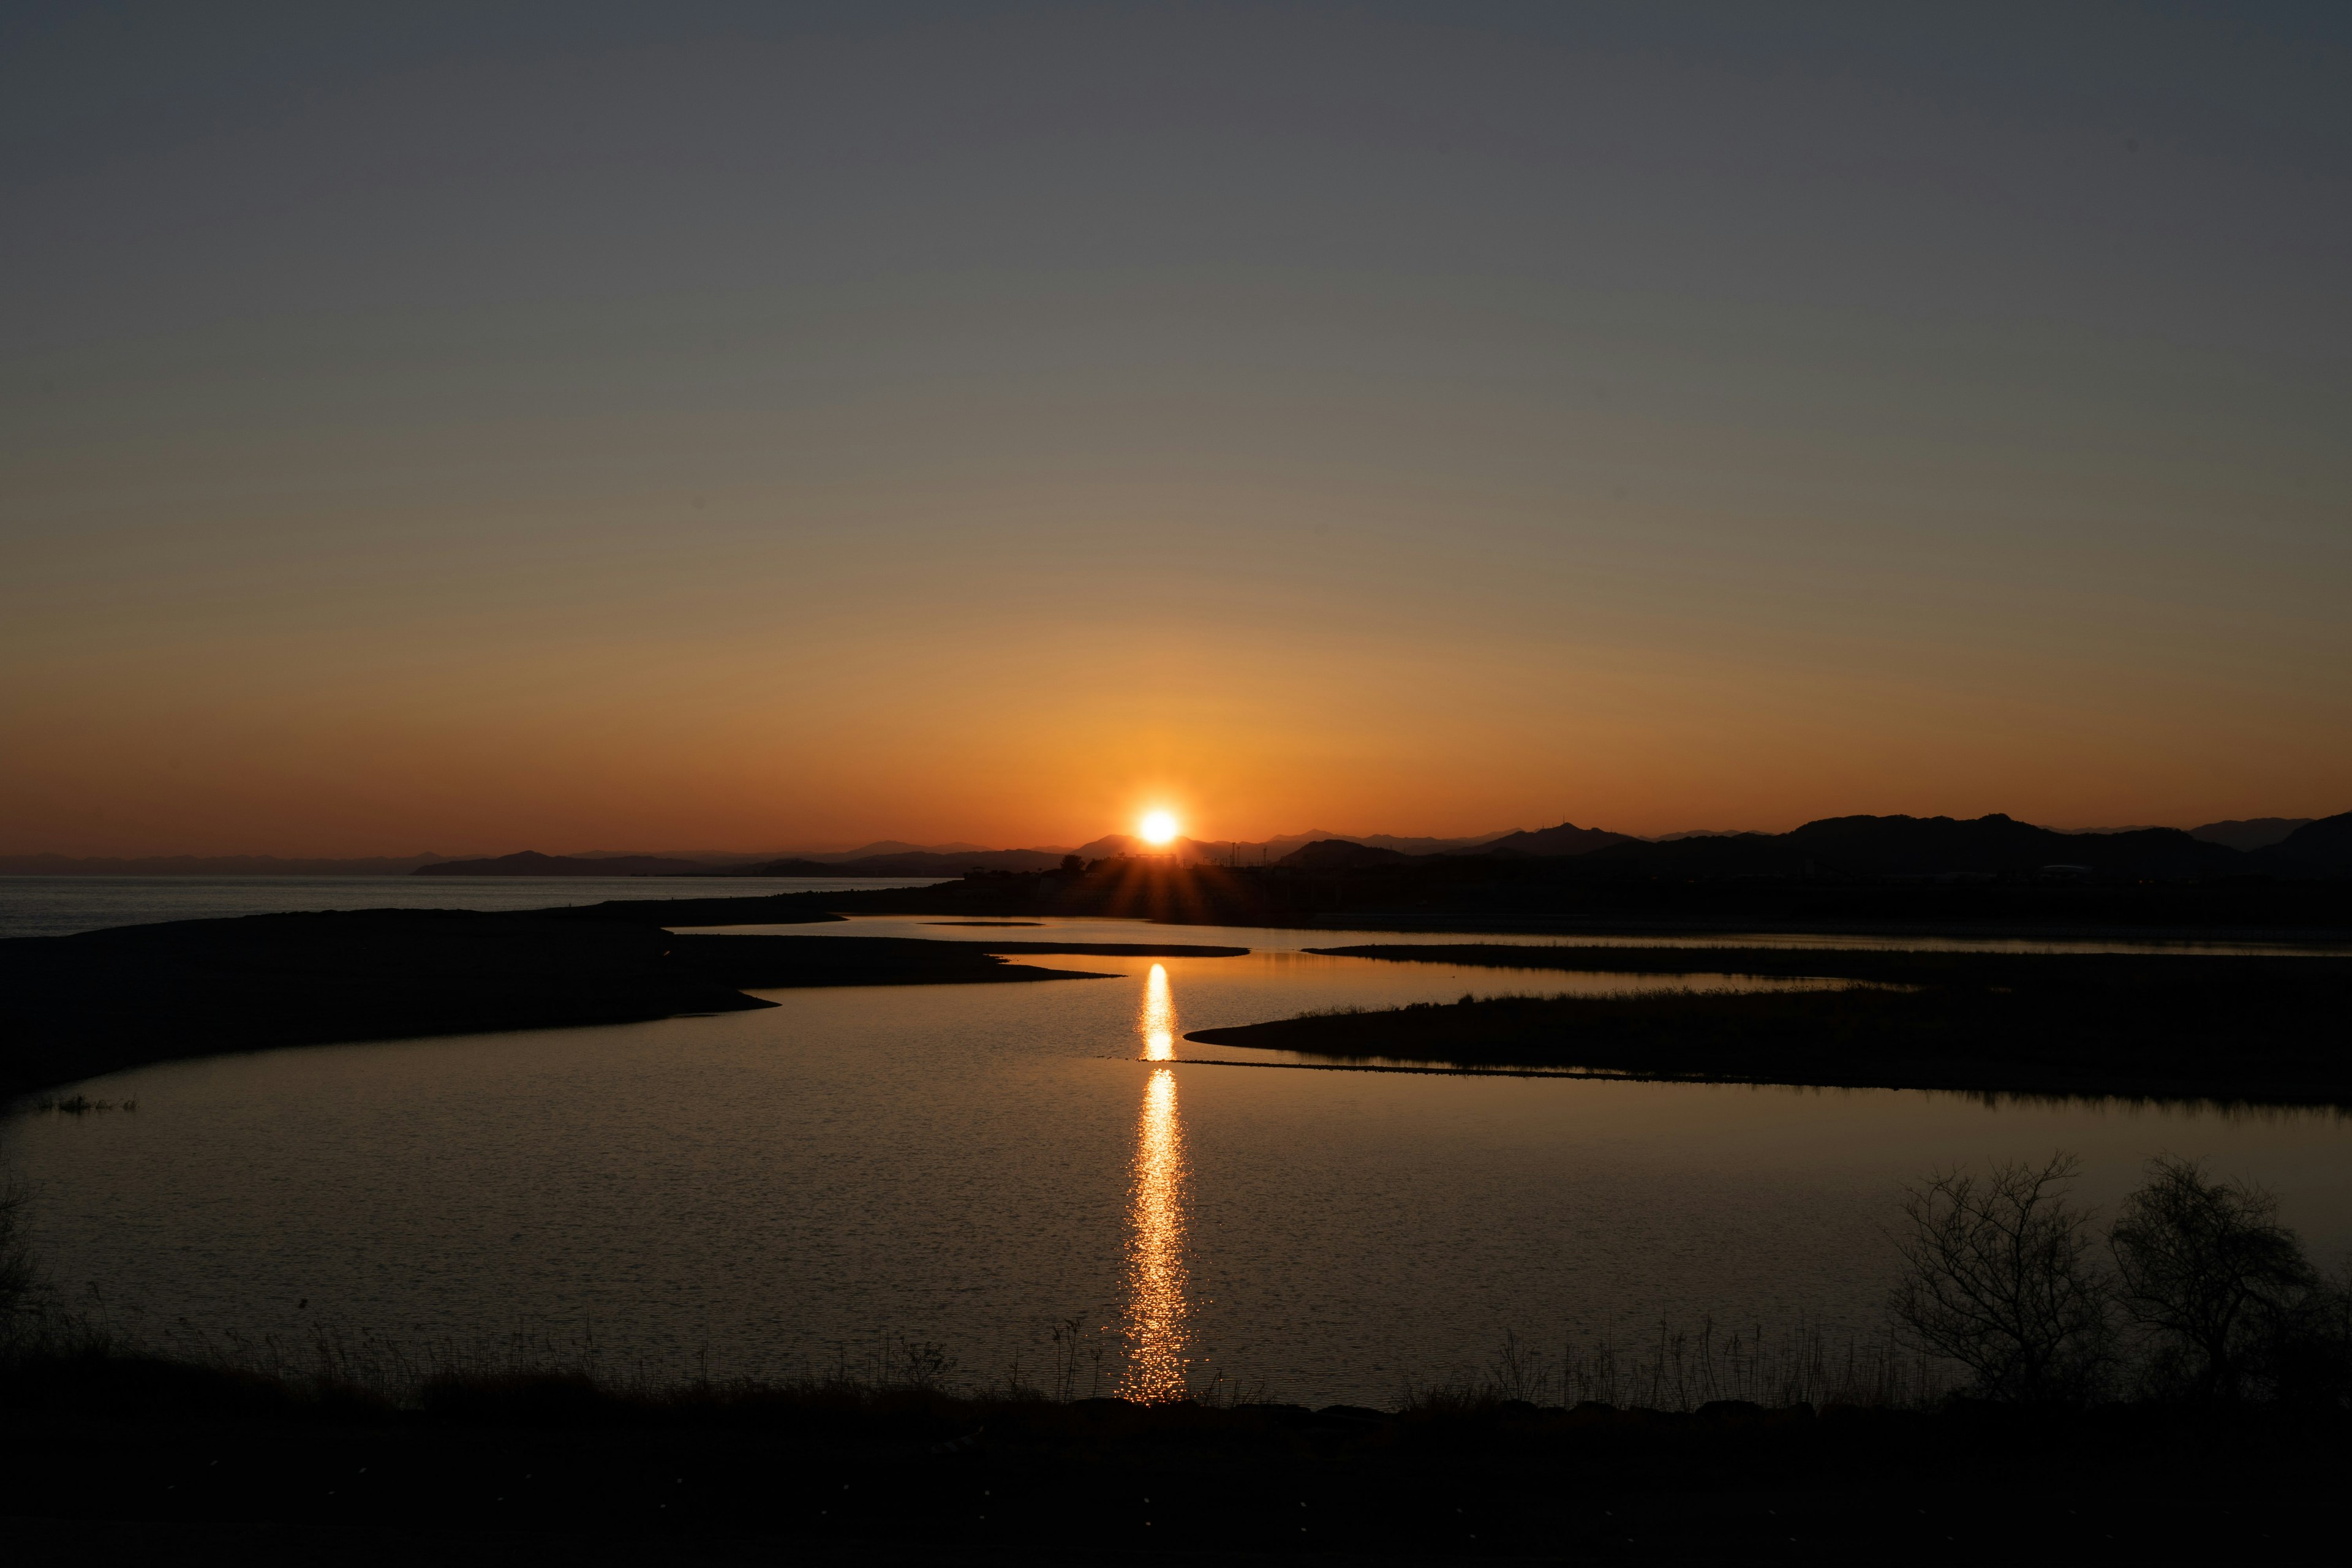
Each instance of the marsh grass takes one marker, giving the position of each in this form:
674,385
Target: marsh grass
533,1372
97,1355
95,1348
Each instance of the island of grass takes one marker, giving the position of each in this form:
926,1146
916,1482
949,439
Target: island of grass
2257,1029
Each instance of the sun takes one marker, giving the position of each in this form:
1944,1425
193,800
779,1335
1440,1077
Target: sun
1159,827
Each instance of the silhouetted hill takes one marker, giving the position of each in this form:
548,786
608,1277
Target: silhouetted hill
1190,851
2321,848
1626,888
1108,846
934,863
1281,844
919,863
2249,833
1998,845
1924,847
1337,854
1565,840
881,847
531,863
1255,852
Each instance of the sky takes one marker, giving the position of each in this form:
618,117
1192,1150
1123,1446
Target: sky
477,427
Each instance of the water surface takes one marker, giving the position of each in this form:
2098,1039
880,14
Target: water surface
60,906
767,1192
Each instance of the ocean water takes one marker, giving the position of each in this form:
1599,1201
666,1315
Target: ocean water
60,906
775,1192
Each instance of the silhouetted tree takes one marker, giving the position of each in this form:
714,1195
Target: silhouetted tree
2001,1278
2211,1274
1073,864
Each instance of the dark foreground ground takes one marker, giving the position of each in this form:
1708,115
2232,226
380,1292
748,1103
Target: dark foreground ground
2262,1029
167,1464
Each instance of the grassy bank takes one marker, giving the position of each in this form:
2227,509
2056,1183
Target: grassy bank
73,1007
2255,1029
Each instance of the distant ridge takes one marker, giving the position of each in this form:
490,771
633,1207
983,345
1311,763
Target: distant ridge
1894,846
1337,854
1923,847
883,847
1565,840
2251,833
916,863
1900,849
1283,844
531,863
2321,848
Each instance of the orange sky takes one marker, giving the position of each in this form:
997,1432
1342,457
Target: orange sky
940,432
1018,719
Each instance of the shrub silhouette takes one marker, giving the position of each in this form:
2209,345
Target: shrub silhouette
2001,1278
2210,1275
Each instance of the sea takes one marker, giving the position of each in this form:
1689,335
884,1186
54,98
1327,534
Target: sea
62,906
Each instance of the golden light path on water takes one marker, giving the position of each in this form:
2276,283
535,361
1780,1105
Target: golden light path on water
1158,1021
1156,1274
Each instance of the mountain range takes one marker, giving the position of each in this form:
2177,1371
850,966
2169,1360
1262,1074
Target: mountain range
1871,847
1881,845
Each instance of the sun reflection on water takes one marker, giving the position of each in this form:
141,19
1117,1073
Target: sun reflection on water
1158,1021
1156,1272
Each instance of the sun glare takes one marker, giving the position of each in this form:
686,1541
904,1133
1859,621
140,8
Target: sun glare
1159,827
